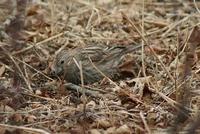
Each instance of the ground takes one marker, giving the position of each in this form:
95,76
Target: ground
160,94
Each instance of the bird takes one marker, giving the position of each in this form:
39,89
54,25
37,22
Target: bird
95,61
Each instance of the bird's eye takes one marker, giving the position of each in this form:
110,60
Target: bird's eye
62,62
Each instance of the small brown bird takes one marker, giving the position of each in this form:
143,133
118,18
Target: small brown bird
94,59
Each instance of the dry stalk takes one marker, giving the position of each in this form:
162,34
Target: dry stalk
195,4
143,54
112,82
33,69
53,19
82,87
28,129
40,43
143,63
62,47
145,123
183,93
19,69
172,26
39,97
145,41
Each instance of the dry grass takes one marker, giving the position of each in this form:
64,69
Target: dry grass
167,71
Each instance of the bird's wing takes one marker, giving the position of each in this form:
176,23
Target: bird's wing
94,53
103,53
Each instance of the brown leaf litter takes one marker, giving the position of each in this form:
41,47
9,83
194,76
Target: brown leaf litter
159,91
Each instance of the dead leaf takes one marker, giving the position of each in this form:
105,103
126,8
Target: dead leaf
128,96
78,129
124,129
6,108
111,130
151,118
37,18
17,118
2,130
157,49
127,65
195,36
31,118
140,80
94,131
104,123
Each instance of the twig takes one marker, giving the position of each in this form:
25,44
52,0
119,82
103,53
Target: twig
34,69
143,54
32,130
17,66
144,122
103,74
174,25
39,43
79,89
52,7
62,47
40,97
154,53
83,90
89,20
195,4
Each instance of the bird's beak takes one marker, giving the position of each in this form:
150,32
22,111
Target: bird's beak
56,70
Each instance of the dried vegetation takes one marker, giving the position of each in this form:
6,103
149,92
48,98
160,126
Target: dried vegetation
164,97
